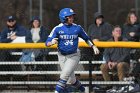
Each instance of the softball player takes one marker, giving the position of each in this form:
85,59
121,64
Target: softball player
66,35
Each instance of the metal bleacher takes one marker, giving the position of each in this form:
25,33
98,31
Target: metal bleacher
43,80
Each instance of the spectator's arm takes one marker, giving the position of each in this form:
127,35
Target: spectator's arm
4,38
28,37
21,31
43,35
125,33
91,32
137,33
106,55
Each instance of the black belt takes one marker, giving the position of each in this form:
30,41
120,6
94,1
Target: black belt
68,53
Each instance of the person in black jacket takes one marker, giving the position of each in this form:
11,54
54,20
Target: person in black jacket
37,34
99,31
117,59
131,29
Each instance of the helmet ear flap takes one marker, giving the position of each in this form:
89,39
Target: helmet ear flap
66,19
62,19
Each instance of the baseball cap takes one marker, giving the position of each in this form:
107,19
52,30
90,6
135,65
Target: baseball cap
35,18
11,18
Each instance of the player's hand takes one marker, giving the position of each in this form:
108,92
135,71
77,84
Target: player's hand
96,50
49,44
95,40
54,41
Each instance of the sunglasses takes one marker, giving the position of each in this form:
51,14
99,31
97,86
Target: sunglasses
11,20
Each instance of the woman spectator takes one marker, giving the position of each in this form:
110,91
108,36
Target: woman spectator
131,29
37,34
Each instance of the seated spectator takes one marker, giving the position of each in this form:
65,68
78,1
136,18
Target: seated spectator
117,59
12,30
37,34
9,34
131,29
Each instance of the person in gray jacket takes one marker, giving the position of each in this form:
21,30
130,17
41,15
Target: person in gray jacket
117,59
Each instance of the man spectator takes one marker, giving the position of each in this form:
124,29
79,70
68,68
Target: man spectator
12,30
117,59
11,33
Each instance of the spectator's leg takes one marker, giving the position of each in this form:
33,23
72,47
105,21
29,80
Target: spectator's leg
105,71
123,70
38,67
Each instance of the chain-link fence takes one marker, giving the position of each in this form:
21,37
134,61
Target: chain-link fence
42,72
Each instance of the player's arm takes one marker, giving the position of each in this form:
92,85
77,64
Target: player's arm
52,38
91,44
88,40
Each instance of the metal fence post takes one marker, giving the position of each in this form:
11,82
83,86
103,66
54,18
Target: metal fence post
90,76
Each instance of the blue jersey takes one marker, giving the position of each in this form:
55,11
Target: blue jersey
67,37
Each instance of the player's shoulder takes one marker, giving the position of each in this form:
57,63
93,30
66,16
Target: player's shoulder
59,26
76,25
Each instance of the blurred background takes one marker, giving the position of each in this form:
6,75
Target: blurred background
115,11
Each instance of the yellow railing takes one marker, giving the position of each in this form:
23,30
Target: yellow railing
81,44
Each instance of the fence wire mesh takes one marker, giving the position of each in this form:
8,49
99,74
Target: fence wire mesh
41,74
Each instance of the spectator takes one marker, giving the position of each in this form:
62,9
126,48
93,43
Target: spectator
11,33
117,59
37,34
99,31
131,29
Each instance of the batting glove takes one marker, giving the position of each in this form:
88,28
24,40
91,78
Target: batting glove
54,41
96,50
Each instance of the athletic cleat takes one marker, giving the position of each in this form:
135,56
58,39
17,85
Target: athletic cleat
112,90
61,92
122,89
134,88
56,92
